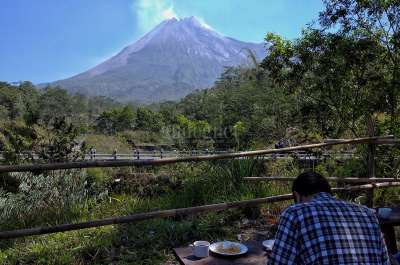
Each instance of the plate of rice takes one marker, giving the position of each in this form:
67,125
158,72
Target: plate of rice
228,248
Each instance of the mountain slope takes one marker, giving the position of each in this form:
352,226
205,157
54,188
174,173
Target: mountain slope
172,60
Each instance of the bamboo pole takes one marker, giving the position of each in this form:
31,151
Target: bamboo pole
142,216
171,213
386,142
166,161
390,141
343,180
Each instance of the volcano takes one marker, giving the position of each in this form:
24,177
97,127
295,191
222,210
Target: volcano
175,58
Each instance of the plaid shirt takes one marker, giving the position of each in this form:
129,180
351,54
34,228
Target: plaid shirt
326,230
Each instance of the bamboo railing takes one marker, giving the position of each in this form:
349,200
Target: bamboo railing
339,180
166,161
172,213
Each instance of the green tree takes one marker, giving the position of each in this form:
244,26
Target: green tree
58,143
239,130
17,141
54,103
116,120
335,76
193,134
377,22
148,120
11,100
168,111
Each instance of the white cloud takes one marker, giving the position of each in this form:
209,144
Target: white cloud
169,13
151,12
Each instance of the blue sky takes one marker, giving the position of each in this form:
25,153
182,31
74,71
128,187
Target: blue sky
47,40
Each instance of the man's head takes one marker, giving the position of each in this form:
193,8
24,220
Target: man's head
307,184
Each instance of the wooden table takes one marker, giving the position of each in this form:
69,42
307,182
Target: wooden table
255,256
387,227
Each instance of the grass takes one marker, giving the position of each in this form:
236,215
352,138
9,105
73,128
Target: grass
147,242
107,143
61,248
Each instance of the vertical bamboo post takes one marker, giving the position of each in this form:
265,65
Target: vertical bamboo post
371,150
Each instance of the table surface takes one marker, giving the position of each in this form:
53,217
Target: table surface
255,256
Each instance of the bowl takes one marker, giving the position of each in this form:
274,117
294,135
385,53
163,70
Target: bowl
384,212
268,244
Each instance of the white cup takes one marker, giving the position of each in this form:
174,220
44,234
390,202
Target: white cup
200,249
268,244
384,212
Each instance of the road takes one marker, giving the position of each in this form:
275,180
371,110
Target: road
173,154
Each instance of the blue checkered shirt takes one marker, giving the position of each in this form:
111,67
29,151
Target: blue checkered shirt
326,230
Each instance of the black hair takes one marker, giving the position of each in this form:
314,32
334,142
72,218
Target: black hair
310,183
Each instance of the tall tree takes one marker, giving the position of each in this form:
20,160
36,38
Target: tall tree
148,120
377,21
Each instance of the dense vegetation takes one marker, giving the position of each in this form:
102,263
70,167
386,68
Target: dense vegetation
341,75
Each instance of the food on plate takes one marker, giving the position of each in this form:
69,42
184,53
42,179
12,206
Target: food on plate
228,247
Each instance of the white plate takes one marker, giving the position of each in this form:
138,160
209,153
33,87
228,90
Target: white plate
214,248
268,244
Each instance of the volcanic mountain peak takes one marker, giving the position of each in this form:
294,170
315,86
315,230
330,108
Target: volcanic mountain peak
185,29
175,58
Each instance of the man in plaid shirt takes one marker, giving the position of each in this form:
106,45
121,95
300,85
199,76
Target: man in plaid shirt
320,229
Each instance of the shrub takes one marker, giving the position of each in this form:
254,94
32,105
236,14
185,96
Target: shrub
45,198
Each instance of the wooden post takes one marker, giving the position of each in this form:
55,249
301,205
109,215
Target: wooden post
370,173
371,150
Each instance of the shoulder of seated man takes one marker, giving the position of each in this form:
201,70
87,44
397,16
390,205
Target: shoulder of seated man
299,207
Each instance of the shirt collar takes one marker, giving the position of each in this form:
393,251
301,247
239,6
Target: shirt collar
321,196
